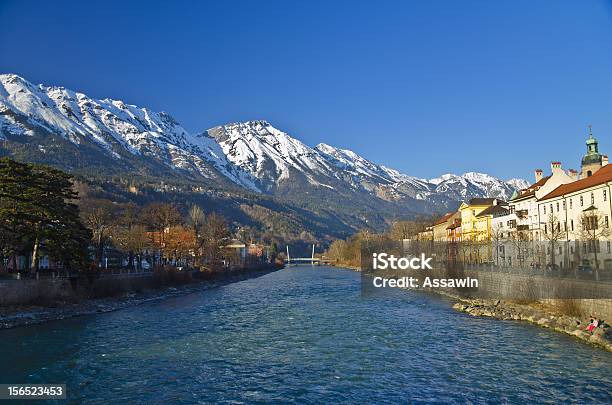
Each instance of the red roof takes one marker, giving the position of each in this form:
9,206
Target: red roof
529,191
444,218
601,176
456,224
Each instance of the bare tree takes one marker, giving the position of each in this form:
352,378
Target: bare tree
128,219
196,220
337,251
401,230
100,217
497,237
160,217
214,231
593,227
554,235
408,229
134,240
520,244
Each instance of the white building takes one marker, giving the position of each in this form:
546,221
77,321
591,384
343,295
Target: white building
524,205
568,208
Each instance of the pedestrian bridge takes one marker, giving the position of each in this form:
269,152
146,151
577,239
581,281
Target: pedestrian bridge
312,259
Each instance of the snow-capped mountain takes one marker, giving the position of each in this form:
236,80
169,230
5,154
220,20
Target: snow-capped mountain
69,129
451,186
473,184
118,129
268,154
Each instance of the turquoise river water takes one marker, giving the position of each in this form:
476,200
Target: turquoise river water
303,335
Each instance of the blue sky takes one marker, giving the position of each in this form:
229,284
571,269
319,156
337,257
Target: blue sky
426,87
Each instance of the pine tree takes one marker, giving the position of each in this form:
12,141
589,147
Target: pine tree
38,214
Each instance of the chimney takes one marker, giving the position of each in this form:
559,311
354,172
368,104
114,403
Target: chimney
573,174
555,167
604,160
538,175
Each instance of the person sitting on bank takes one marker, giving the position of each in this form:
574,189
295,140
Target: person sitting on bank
594,323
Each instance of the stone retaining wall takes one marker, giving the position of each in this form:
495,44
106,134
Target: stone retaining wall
16,292
593,297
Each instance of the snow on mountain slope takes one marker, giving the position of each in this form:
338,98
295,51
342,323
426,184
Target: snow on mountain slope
269,154
351,163
396,185
518,184
473,184
113,125
252,154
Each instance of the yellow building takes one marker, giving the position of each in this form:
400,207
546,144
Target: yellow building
476,218
472,227
440,227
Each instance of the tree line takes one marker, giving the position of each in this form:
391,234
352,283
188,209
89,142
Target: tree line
348,252
41,215
158,233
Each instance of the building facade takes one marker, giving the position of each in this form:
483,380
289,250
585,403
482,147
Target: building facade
581,213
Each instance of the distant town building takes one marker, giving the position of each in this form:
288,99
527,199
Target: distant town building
561,220
440,227
474,228
426,234
453,230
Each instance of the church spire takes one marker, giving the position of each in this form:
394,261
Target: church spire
591,161
591,143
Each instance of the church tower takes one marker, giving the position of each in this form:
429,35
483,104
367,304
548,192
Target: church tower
592,160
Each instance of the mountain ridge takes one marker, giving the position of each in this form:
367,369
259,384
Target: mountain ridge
55,125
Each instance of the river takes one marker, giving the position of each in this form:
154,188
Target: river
303,335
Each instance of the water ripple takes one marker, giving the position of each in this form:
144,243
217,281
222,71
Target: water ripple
304,336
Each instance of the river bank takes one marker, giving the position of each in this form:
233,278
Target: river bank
564,316
303,335
540,314
24,315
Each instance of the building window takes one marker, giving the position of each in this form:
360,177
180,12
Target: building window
563,205
551,208
572,224
608,245
544,209
570,203
565,226
545,228
607,223
581,201
592,198
605,195
591,223
557,206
